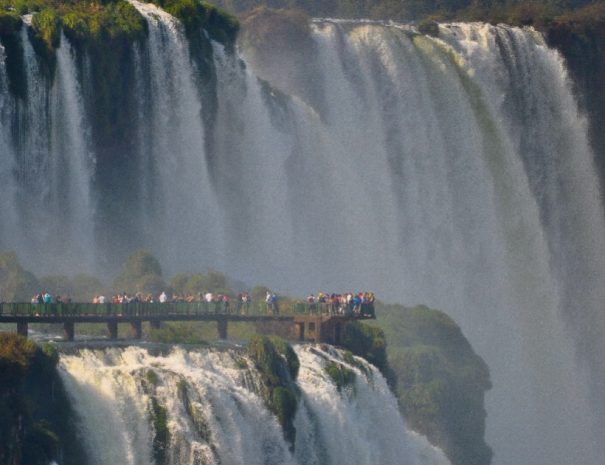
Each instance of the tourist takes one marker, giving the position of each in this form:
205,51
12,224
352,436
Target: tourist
163,298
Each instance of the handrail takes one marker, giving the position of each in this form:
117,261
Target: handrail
157,310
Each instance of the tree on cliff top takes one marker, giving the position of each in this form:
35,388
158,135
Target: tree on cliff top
142,273
16,284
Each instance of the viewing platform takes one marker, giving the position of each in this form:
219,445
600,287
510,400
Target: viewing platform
319,322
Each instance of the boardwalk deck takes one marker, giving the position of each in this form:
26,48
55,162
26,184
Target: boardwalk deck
307,322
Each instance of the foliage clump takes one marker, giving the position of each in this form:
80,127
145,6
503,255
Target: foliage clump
429,27
197,15
177,333
195,283
36,418
368,342
161,433
10,23
342,376
278,365
142,273
441,382
16,284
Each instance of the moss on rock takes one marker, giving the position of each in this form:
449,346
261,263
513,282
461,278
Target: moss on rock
342,376
197,15
278,365
441,382
36,418
10,23
161,433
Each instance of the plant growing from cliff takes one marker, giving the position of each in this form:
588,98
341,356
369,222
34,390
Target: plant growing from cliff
161,436
36,418
342,376
368,342
16,284
278,365
441,382
142,273
197,15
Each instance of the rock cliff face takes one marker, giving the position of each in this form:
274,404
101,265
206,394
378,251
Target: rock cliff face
439,380
36,421
176,406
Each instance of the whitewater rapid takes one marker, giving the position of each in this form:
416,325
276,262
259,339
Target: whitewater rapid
453,171
215,413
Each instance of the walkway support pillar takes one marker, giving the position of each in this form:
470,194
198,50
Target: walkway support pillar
112,327
137,329
300,330
222,328
22,328
68,331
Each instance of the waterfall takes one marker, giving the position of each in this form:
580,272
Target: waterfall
214,412
474,192
451,171
174,176
47,164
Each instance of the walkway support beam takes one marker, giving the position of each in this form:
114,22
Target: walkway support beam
137,329
22,328
112,327
68,331
221,325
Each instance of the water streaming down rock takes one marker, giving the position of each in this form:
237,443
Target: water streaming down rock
464,176
49,165
210,404
174,182
453,172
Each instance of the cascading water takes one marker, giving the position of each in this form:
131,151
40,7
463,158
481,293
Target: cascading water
210,404
48,191
451,171
174,179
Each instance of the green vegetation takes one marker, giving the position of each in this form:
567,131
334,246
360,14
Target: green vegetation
99,21
266,28
10,23
278,365
197,15
342,376
83,22
195,283
36,419
161,433
440,381
368,342
16,284
193,412
510,11
178,333
142,273
80,288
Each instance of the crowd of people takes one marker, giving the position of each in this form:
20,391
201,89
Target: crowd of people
348,304
46,298
361,303
217,301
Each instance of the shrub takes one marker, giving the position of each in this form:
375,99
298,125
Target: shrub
278,365
341,375
428,27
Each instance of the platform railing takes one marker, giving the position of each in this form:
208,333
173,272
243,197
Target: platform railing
157,310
